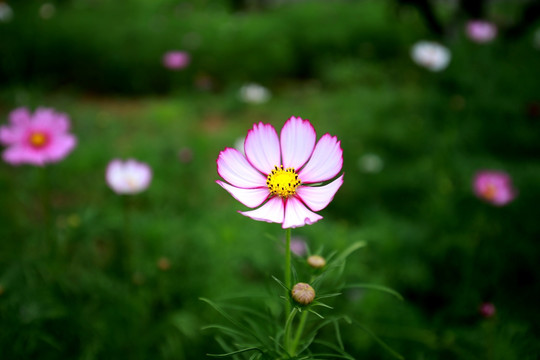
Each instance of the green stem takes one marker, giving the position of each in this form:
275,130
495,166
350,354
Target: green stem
288,288
299,331
288,269
50,245
287,334
125,244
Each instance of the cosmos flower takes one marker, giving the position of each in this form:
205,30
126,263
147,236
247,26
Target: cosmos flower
176,60
431,55
298,246
494,187
254,93
6,13
487,309
370,163
536,39
129,177
282,176
38,138
481,31
47,11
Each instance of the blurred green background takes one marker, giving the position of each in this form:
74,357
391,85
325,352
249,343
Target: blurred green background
412,142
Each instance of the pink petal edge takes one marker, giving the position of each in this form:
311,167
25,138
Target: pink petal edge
262,147
297,142
318,197
297,214
234,168
249,197
272,211
325,162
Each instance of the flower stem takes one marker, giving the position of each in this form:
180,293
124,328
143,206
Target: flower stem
288,284
287,334
299,331
124,249
50,244
288,324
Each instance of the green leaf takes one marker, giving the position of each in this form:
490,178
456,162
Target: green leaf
316,313
232,353
224,329
327,296
338,335
355,246
280,283
343,354
376,287
222,312
379,341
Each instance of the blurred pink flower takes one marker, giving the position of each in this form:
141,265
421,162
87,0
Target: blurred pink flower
494,187
481,31
38,138
185,155
298,246
487,309
282,176
176,60
431,55
129,177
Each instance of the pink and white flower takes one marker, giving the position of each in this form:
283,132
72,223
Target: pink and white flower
38,138
176,60
481,31
298,246
282,177
494,187
431,55
129,177
487,309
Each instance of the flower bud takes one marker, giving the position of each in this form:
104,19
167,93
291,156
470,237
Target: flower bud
303,293
316,261
164,263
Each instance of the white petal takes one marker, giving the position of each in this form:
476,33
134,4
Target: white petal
249,197
262,147
272,211
236,170
318,197
297,142
325,163
296,214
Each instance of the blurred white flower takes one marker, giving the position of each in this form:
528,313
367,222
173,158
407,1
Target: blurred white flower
431,55
6,13
254,93
239,145
129,177
481,31
536,39
47,11
370,163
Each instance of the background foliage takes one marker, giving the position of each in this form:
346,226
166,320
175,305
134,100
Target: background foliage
344,65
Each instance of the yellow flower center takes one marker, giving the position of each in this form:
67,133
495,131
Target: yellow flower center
282,182
38,139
